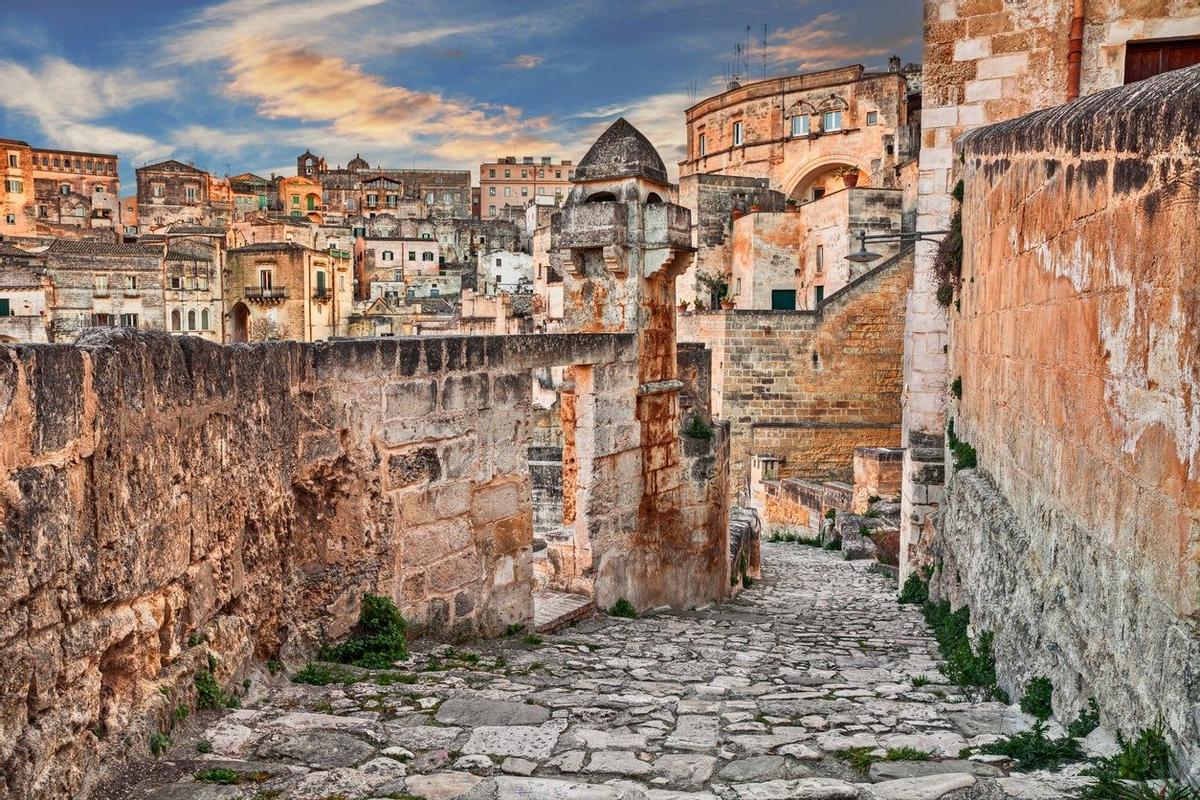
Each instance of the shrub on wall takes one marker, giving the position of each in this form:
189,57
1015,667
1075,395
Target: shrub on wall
947,264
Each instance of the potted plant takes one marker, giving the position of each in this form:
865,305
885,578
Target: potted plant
737,214
792,206
683,306
850,177
729,302
755,208
699,305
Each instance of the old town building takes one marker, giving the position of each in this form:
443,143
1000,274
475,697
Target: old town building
101,284
287,290
61,193
360,189
509,181
171,192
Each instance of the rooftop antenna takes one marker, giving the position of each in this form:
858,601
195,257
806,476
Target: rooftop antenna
764,51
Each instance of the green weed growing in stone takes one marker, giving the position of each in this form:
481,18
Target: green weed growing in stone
907,754
623,608
833,544
1087,721
861,758
1036,700
219,775
159,742
317,674
196,638
378,639
956,387
274,667
389,678
1145,758
204,746
181,712
699,429
209,694
513,629
973,669
964,454
532,640
919,681
1032,750
915,591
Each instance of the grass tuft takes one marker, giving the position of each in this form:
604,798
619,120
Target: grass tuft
378,640
623,608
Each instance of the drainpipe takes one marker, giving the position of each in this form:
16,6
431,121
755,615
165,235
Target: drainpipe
1075,51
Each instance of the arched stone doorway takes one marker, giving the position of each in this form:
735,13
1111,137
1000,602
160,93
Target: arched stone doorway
825,178
239,328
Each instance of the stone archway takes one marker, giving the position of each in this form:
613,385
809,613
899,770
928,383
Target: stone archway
239,328
814,179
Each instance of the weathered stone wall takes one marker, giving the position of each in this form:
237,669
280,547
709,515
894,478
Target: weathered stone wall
1078,541
987,61
810,386
878,472
158,487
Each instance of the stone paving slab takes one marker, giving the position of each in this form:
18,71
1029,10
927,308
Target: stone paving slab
758,699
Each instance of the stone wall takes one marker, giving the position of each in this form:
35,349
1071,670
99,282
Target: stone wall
159,488
1078,539
878,472
987,61
810,386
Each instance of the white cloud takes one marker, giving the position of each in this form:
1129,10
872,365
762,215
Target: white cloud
525,61
822,44
660,117
69,103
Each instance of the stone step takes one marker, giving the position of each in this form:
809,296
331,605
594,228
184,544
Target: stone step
553,611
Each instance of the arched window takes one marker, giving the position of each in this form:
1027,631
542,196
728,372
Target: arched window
653,198
204,320
427,256
602,197
175,320
388,255
192,320
312,202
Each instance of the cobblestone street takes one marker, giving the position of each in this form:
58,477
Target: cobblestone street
759,699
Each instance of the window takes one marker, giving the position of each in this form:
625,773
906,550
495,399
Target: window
192,320
524,191
435,291
202,282
499,262
429,197
508,173
264,279
412,255
491,211
737,134
191,194
11,219
783,299
702,145
558,174
5,309
491,173
295,199
157,190
541,173
800,125
820,257
101,284
831,121
204,320
872,117
129,320
387,255
1147,59
524,173
312,202
820,293
12,159
508,191
14,187
104,319
175,282
65,189
427,256
491,191
425,236
320,283
131,283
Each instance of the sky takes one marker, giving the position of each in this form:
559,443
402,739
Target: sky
248,85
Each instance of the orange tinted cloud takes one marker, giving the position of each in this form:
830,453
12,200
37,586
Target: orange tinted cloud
821,44
300,83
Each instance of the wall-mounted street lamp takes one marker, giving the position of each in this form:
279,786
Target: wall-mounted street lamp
865,256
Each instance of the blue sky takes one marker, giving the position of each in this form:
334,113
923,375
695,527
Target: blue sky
249,84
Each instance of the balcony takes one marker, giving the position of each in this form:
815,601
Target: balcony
322,295
266,294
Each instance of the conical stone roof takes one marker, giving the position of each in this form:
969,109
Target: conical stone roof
622,151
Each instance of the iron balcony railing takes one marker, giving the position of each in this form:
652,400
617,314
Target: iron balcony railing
266,292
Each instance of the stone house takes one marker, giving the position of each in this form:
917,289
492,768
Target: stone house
62,193
509,182
171,192
25,296
99,284
347,191
286,290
